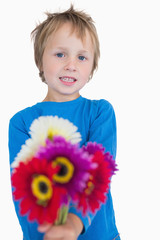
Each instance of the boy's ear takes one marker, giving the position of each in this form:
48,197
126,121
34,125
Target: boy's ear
41,74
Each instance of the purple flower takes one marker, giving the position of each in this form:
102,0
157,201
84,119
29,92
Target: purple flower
73,161
93,147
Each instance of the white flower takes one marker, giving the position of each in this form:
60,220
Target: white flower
27,151
49,126
42,128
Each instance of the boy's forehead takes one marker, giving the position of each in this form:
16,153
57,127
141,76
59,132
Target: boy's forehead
70,29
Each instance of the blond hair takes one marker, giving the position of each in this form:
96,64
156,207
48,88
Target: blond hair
80,22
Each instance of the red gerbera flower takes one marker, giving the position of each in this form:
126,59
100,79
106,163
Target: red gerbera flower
98,185
33,185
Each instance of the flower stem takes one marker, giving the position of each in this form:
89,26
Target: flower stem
62,216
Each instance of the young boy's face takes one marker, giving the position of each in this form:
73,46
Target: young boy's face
67,63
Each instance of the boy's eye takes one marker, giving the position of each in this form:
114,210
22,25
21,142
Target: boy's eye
60,55
82,58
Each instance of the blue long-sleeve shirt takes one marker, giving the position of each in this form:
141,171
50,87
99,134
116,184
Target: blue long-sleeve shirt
96,122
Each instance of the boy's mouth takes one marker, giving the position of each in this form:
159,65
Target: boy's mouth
68,80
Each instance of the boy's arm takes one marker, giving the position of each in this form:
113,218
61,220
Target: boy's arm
17,136
103,131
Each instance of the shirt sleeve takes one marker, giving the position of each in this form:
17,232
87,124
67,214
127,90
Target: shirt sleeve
17,137
103,127
18,134
103,131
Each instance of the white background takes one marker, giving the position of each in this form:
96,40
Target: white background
128,76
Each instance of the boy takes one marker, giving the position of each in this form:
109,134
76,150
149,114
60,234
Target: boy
66,53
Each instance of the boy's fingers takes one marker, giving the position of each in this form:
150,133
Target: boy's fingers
56,231
44,227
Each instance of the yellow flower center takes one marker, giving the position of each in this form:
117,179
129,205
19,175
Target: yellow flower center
51,132
66,170
42,188
54,132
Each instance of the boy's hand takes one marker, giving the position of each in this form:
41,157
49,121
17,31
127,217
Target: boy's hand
68,231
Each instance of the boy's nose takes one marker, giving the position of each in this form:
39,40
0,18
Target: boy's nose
70,65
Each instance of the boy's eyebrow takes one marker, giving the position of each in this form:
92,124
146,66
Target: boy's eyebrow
61,48
66,49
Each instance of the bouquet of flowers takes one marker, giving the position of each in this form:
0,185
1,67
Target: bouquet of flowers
52,170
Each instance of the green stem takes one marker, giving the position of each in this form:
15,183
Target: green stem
62,215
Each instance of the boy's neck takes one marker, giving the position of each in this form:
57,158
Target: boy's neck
64,98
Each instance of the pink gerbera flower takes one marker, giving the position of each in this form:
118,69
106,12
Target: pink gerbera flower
33,186
97,187
93,147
